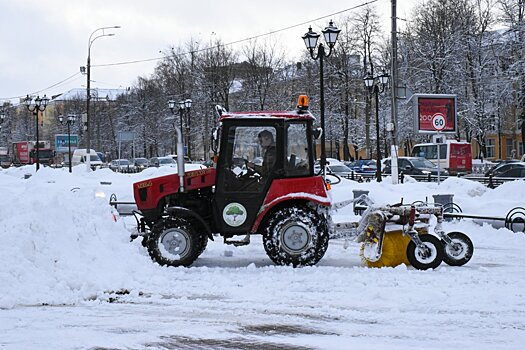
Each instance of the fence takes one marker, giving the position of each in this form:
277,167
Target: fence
489,181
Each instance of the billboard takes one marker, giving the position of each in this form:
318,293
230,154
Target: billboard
434,113
62,144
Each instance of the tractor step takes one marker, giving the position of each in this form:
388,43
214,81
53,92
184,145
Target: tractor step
238,243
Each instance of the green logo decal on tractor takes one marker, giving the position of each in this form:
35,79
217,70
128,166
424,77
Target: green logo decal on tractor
234,214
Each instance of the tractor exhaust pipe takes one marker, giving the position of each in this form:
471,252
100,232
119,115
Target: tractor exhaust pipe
180,159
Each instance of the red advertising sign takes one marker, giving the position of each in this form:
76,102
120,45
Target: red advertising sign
435,113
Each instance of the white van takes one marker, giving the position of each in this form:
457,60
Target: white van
80,154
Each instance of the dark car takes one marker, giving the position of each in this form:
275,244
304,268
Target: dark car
140,163
414,166
511,170
363,166
121,165
502,167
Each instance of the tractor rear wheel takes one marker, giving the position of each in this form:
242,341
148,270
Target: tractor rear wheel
296,236
429,256
175,242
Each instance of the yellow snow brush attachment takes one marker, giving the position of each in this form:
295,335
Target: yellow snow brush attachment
394,251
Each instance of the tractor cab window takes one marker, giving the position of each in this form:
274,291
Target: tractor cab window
252,157
297,151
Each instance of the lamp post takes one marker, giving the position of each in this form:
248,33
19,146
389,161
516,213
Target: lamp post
2,118
180,149
310,39
187,106
88,88
39,106
171,105
373,83
70,121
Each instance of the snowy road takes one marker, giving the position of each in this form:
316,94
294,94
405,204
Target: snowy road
244,302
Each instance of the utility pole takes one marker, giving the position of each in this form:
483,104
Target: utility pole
393,74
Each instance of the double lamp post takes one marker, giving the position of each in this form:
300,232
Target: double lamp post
330,34
184,105
376,85
3,115
69,121
39,106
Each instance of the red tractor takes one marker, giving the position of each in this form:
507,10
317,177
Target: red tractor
264,183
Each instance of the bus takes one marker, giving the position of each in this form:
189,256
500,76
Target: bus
455,156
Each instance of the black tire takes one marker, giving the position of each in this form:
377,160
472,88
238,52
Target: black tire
204,243
424,259
461,250
296,236
174,242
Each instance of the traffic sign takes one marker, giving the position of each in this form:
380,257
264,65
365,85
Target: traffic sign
439,121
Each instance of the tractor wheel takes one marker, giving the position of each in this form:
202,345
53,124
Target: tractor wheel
174,242
296,236
204,243
460,251
427,257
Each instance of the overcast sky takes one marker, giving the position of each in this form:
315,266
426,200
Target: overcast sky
43,43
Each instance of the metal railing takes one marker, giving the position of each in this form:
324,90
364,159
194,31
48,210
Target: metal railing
489,181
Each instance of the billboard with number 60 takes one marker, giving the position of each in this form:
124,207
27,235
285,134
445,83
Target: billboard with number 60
434,113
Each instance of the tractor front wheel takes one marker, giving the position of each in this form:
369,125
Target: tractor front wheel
296,236
175,242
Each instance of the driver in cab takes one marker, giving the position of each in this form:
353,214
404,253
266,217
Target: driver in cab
267,144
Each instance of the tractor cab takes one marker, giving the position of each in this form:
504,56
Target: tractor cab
256,150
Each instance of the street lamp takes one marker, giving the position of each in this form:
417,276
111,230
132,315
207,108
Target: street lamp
180,149
310,39
88,90
39,106
372,83
70,121
3,115
187,106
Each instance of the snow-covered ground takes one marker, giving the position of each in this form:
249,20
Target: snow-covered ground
71,279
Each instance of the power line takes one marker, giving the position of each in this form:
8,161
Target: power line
201,50
240,40
42,90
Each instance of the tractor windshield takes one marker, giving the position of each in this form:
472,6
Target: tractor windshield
251,156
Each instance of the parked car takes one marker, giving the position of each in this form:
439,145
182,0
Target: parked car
121,166
363,166
140,163
5,161
414,166
162,161
337,168
174,156
511,170
502,167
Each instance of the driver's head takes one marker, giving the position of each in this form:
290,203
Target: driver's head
265,138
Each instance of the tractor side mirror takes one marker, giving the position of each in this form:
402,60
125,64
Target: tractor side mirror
215,140
317,133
